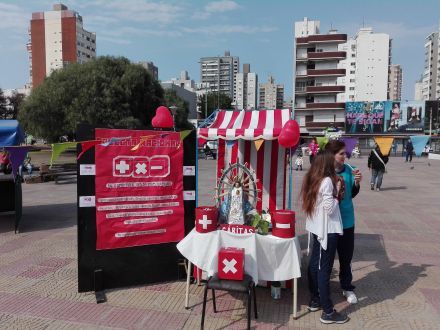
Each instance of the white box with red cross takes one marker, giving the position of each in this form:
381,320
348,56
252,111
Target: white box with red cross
231,264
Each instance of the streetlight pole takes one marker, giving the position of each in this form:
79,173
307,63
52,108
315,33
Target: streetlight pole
206,100
430,122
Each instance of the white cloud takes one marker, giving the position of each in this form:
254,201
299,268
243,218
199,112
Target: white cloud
223,29
221,6
215,8
13,17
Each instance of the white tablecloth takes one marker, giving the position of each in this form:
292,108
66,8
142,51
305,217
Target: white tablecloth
267,258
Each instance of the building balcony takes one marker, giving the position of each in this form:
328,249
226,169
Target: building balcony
326,72
322,38
325,56
324,125
325,89
320,106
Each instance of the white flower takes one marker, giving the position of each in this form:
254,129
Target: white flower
266,217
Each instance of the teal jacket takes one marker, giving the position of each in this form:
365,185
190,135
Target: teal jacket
346,205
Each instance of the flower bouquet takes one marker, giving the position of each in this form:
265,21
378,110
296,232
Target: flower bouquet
261,222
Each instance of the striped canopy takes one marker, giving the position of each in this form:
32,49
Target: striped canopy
246,125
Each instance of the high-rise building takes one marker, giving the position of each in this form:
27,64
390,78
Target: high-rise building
395,82
151,68
431,73
418,90
271,95
246,89
367,67
219,73
316,71
56,39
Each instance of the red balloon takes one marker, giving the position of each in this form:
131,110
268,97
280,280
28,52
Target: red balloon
289,136
163,118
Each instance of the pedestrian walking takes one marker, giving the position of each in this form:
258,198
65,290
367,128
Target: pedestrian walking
377,164
409,151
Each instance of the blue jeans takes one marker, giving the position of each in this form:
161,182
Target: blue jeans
376,177
320,269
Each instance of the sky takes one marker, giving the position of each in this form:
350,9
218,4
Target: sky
176,34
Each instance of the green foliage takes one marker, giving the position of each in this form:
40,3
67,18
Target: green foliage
261,226
105,92
215,101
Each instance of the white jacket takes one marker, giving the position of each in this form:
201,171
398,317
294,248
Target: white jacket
326,219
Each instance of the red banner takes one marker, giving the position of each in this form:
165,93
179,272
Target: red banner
139,194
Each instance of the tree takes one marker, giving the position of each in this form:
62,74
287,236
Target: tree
171,99
215,101
105,92
14,103
3,105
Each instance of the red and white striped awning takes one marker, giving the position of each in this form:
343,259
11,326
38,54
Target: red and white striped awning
246,125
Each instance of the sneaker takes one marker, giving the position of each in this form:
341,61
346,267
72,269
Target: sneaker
377,189
334,317
351,297
314,306
372,187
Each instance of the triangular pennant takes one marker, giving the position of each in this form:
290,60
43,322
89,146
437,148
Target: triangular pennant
419,142
184,134
350,143
17,156
86,145
58,148
142,140
258,144
384,144
114,139
230,143
322,141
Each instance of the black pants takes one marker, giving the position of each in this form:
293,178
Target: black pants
345,249
320,268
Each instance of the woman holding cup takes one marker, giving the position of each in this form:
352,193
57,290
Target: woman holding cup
352,178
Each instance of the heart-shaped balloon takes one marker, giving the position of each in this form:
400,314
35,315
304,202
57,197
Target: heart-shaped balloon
289,136
163,118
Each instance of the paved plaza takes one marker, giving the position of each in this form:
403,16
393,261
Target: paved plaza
396,265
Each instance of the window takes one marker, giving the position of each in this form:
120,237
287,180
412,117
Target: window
353,55
352,80
352,88
352,72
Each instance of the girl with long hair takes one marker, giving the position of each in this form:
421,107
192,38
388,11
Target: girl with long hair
320,191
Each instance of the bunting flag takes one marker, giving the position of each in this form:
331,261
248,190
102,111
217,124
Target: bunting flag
184,134
16,156
322,141
114,139
384,144
258,143
86,145
230,143
58,148
350,143
142,140
419,142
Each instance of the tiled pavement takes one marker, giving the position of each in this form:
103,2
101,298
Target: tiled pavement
396,266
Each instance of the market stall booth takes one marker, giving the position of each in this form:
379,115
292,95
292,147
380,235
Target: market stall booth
250,157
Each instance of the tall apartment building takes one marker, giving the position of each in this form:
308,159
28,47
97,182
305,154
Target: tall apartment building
151,68
271,95
218,73
316,71
56,39
395,82
431,73
367,67
246,88
418,90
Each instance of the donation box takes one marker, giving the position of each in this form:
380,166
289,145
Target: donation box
206,219
283,223
231,264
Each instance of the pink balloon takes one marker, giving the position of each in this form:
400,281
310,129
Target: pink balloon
163,118
289,136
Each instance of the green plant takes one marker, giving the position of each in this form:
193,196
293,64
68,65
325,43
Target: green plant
261,223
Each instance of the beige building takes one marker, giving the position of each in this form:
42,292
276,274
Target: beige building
271,95
246,88
395,82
